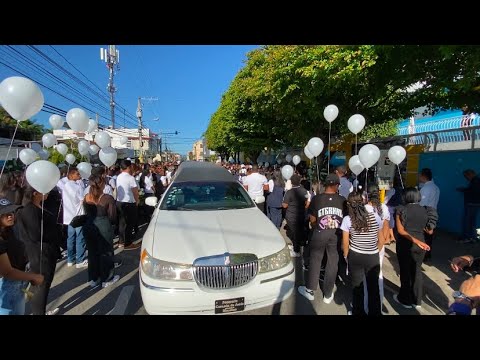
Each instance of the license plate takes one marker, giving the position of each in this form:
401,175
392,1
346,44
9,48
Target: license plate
229,305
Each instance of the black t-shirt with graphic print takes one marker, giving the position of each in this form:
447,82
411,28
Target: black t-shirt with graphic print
329,209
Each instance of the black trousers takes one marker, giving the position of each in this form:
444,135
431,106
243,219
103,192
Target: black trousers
410,259
368,266
429,241
127,219
49,257
321,242
296,233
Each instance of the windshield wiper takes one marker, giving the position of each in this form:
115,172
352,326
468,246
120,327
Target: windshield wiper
181,208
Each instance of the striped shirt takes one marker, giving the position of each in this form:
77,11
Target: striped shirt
364,242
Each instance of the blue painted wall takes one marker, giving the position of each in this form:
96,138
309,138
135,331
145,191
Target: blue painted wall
447,168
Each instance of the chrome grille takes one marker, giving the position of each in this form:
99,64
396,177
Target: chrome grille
225,277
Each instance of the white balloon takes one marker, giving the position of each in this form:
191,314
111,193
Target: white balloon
369,155
102,139
70,158
267,164
27,156
62,149
123,140
287,172
397,154
355,165
49,140
288,158
330,113
43,176
93,149
279,161
92,125
77,119
36,147
20,97
108,156
85,170
296,159
315,146
56,121
356,123
307,153
44,154
83,147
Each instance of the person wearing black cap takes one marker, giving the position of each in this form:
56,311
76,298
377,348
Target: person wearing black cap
13,261
326,214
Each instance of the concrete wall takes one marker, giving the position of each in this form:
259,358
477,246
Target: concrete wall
447,168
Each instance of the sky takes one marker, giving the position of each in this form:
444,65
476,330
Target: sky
187,80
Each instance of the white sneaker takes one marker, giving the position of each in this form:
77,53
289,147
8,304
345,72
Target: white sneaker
295,254
93,283
328,300
52,312
111,282
306,292
83,264
70,264
406,306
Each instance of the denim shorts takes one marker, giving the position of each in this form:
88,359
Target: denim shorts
12,297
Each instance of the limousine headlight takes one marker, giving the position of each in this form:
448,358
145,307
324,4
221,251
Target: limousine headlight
164,270
275,261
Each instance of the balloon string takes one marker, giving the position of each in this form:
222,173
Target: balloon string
366,179
329,131
318,172
61,200
41,235
356,145
9,148
400,174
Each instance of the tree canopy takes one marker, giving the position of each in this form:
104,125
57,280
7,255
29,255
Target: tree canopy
27,130
278,97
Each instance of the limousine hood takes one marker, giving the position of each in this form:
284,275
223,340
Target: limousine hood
183,236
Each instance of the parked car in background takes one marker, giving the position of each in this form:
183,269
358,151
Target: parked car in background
209,250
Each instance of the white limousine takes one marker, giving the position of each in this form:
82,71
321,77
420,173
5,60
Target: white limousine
209,250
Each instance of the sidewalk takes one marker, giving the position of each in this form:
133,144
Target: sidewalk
439,280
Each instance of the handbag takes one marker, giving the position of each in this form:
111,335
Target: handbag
80,219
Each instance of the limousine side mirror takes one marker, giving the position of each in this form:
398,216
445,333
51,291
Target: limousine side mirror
151,201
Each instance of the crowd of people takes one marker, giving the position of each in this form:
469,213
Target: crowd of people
334,225
80,217
351,226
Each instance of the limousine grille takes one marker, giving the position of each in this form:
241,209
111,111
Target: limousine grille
225,277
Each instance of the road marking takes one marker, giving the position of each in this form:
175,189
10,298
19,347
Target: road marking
122,301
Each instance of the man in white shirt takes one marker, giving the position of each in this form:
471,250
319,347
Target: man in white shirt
256,184
430,195
72,198
127,202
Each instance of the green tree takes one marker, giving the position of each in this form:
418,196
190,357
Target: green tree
27,130
58,158
281,91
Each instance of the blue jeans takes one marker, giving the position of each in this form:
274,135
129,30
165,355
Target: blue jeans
12,298
469,220
275,215
75,245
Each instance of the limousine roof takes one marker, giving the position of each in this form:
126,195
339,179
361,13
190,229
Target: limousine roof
202,171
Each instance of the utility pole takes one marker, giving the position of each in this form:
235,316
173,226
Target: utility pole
112,57
140,126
